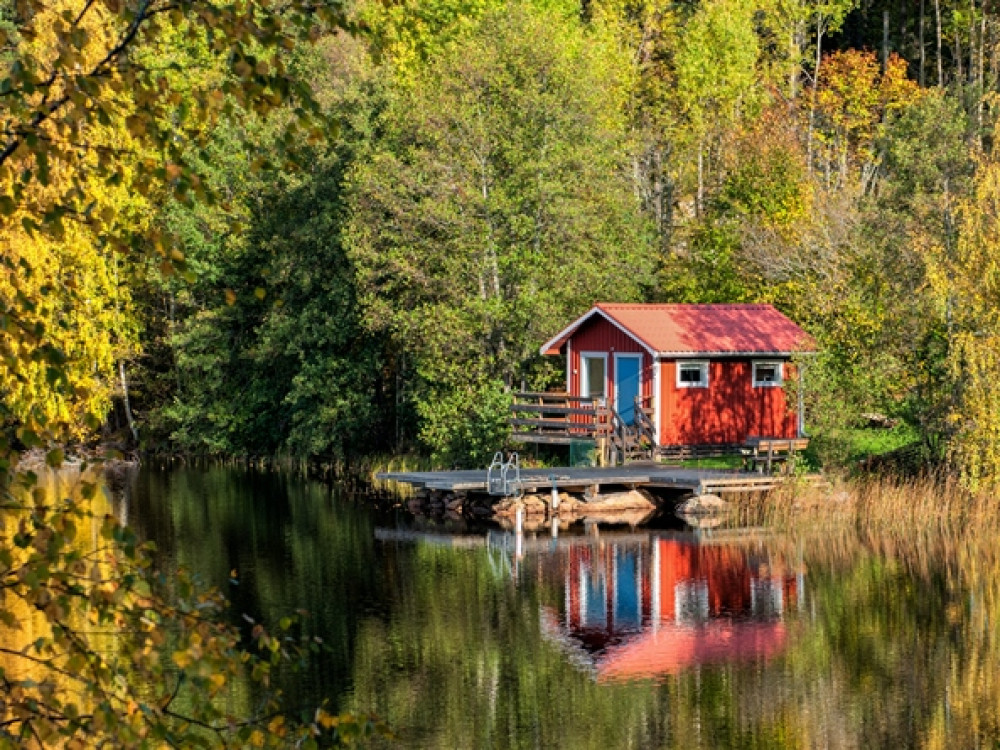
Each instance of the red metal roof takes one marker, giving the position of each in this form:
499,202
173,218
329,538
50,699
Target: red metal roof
698,329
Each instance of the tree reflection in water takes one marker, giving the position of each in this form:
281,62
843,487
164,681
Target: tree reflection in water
832,638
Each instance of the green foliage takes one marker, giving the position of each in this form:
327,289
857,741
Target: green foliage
105,109
494,202
716,64
845,447
286,370
101,113
465,426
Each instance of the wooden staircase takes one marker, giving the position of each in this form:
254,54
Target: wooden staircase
634,442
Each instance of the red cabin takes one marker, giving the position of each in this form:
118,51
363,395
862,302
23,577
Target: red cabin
710,374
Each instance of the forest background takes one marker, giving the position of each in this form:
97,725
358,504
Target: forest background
473,175
297,228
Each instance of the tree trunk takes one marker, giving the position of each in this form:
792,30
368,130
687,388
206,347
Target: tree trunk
793,65
903,19
972,40
700,198
815,88
923,52
125,402
981,88
959,73
885,39
796,39
492,281
940,58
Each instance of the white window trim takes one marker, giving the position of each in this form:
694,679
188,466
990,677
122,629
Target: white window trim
584,377
627,355
768,383
703,364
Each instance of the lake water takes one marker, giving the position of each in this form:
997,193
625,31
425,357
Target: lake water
603,637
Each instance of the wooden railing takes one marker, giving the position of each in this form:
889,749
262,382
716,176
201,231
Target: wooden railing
559,419
554,418
762,453
645,429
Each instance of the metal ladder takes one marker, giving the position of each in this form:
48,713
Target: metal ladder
503,478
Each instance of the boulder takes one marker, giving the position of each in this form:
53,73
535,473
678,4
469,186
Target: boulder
618,501
535,505
703,505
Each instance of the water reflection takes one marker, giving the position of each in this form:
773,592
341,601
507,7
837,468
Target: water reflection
637,606
603,638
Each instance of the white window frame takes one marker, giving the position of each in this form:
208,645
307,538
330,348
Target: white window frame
701,363
585,375
768,383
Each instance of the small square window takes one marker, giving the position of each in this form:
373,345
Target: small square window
767,374
692,374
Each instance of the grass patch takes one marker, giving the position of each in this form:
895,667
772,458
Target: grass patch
715,462
848,447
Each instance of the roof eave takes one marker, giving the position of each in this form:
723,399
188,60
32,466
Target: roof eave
718,354
553,345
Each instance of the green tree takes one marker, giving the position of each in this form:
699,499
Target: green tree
716,74
495,203
966,282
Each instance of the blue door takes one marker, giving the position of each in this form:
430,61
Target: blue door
627,386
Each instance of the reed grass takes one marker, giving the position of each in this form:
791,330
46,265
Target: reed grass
368,468
934,530
931,502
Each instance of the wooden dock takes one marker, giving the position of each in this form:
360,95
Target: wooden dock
590,480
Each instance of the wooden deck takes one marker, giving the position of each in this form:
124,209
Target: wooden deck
698,481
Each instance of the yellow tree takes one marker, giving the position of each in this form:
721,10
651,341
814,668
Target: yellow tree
966,282
101,102
851,108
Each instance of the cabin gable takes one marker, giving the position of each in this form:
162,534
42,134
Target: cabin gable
599,336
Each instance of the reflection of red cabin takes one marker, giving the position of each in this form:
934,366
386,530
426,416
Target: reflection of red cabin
657,609
711,374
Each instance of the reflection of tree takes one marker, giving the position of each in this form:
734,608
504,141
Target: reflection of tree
892,644
96,650
288,547
887,652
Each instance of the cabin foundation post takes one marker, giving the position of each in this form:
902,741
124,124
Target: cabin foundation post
555,494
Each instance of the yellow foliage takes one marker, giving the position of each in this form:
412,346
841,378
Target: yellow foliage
966,283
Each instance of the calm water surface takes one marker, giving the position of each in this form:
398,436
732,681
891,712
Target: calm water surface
604,637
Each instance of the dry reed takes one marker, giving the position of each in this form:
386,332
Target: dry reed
878,504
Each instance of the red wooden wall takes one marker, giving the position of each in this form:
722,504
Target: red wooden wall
729,410
598,335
